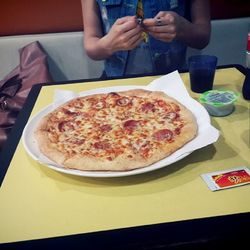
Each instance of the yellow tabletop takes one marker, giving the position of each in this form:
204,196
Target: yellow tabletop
37,202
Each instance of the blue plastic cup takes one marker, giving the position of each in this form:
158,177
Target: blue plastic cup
201,72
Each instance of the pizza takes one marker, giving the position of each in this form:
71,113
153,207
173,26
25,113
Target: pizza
116,131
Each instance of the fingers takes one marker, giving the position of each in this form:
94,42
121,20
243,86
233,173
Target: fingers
126,23
162,33
130,40
124,19
157,20
135,42
161,14
166,37
149,22
129,32
125,34
162,26
163,18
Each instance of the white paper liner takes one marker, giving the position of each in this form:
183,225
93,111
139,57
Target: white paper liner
172,85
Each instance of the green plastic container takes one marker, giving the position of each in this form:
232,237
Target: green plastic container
219,102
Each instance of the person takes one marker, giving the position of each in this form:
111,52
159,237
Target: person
144,36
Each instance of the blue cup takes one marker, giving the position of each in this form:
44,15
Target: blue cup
201,72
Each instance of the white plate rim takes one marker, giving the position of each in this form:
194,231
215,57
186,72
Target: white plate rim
31,147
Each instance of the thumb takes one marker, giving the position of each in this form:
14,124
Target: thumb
149,22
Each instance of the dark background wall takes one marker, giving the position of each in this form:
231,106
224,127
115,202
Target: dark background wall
19,17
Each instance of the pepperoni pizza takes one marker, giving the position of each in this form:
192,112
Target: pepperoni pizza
115,131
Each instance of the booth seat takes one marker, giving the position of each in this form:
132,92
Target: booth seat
68,61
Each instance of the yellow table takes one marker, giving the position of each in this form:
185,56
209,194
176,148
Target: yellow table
37,202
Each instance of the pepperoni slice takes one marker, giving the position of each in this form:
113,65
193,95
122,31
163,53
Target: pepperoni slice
124,101
69,113
163,134
106,128
148,106
167,107
161,103
130,124
65,125
61,126
101,145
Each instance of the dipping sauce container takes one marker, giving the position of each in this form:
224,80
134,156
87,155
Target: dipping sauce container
219,102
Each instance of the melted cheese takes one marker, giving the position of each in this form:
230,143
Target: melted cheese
83,130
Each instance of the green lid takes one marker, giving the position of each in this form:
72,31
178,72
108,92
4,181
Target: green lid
219,98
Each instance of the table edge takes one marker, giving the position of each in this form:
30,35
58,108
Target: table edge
226,230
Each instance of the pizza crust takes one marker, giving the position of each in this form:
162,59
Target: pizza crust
121,162
45,145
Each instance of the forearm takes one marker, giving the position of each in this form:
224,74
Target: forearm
125,34
194,35
93,42
97,49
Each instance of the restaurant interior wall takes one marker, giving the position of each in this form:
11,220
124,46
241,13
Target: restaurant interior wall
49,16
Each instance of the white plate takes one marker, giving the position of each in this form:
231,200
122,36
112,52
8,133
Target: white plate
31,146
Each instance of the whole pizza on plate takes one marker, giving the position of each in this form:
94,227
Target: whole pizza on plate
116,131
